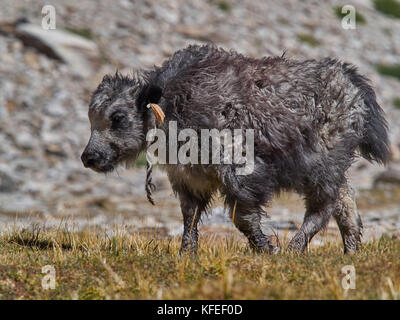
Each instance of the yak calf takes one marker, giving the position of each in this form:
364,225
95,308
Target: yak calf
311,119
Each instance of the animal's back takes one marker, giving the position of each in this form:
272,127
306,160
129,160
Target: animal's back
309,116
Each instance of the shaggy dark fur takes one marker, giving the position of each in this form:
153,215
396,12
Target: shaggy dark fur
310,118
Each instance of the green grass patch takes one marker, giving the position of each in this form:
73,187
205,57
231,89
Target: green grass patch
141,160
396,102
82,32
98,265
388,7
359,17
389,70
224,6
309,39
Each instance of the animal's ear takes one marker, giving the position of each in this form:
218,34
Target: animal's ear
148,94
154,93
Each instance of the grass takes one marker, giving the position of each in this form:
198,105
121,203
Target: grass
83,32
389,70
94,265
141,160
309,39
396,102
388,7
359,17
224,6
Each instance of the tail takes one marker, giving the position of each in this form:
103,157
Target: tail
375,142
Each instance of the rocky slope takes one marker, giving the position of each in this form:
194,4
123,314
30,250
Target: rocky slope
44,97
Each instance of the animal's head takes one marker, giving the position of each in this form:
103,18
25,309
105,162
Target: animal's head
119,121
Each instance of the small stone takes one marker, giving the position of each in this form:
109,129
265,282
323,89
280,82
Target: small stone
391,176
55,150
7,183
24,140
32,60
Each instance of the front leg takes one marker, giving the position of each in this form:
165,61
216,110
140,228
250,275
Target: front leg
248,221
245,195
192,207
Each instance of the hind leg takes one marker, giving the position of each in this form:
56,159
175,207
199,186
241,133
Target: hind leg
316,218
348,219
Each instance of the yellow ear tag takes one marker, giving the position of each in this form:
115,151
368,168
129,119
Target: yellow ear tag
158,113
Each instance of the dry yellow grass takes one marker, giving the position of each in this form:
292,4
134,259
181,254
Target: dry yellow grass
96,265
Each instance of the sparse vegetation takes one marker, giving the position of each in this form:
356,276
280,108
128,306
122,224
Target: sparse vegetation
359,17
94,265
309,39
396,102
224,6
85,33
388,7
389,70
141,160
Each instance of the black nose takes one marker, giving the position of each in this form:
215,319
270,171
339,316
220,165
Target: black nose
89,159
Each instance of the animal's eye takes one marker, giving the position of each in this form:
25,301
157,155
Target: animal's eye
118,119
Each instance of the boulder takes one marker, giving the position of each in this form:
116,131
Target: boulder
7,183
391,176
80,54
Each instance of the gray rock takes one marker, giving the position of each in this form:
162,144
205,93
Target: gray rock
79,53
20,204
24,140
391,176
8,184
281,225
